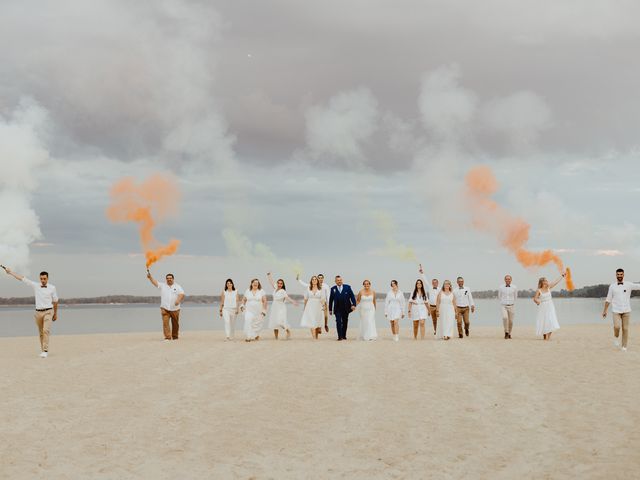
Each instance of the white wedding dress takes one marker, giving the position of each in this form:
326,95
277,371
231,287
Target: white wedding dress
447,318
313,315
547,320
367,318
253,318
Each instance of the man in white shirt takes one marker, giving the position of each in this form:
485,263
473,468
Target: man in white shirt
171,296
463,303
432,294
46,306
507,294
325,290
619,297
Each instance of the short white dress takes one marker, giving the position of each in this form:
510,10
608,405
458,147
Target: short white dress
278,315
419,307
313,315
394,305
547,320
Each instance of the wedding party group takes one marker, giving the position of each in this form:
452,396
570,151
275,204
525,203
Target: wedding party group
449,307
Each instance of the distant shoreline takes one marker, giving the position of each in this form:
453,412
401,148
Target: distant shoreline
593,291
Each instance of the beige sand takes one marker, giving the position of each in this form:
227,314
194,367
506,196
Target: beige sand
131,406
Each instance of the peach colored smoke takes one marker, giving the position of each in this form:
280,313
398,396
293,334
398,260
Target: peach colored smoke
512,232
152,200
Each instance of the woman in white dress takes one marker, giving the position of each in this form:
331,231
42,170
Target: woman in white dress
546,320
278,315
418,309
315,306
445,312
254,306
394,306
229,303
366,300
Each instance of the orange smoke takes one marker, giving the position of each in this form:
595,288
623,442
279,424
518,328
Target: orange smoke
513,232
155,198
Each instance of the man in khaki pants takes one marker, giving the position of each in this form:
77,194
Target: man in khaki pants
619,297
46,306
171,296
463,302
507,294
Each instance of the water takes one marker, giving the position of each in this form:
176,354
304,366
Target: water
86,319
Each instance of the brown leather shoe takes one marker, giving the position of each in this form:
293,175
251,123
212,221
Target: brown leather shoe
506,335
460,335
466,331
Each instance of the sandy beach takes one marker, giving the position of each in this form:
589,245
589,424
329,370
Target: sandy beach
130,406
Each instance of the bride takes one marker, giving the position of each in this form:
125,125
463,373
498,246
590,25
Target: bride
546,320
366,299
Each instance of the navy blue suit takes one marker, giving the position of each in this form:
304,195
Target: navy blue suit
340,303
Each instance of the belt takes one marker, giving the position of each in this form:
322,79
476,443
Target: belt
432,305
43,309
509,305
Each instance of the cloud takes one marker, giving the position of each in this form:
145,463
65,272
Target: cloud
340,129
446,108
521,116
22,154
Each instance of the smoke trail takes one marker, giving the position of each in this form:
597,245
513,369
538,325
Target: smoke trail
512,232
386,229
144,204
21,154
241,246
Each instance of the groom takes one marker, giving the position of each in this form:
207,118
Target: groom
342,302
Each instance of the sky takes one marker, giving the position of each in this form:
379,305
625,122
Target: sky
329,137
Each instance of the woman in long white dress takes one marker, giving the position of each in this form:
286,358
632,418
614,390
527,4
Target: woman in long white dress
394,305
366,300
445,312
418,309
254,306
278,315
229,303
315,305
546,320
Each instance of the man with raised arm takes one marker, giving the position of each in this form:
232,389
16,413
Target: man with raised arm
46,306
171,296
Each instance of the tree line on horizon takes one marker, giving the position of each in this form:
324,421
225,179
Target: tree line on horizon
592,291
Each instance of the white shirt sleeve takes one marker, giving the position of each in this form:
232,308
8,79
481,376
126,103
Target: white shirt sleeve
387,301
54,295
402,301
160,284
634,286
610,294
29,282
179,290
471,302
304,284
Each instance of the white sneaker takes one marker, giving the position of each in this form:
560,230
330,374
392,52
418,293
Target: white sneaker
166,340
616,343
624,349
396,338
44,355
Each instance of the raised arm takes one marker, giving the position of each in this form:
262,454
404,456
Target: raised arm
305,285
153,281
557,281
13,274
270,278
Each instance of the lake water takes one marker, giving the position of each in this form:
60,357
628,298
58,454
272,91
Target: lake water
85,319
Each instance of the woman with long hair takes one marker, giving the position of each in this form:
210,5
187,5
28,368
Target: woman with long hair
229,304
418,309
546,320
366,300
278,315
394,305
445,312
254,306
315,306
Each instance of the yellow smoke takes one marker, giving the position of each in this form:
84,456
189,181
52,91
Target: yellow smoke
386,229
